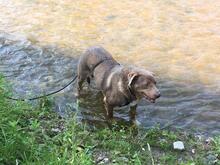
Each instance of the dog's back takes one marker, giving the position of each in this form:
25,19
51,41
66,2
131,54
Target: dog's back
95,56
96,62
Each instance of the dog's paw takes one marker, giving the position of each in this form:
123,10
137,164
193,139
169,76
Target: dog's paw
76,94
114,121
136,122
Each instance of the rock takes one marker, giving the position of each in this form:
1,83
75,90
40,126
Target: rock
80,148
199,137
209,140
104,161
101,157
123,159
178,145
55,130
193,151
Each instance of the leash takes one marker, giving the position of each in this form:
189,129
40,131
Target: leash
106,59
42,96
49,94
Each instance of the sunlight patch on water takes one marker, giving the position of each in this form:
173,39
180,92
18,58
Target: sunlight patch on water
176,39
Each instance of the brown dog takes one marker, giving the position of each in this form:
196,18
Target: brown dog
120,85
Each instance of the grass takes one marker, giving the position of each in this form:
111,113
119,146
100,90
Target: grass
37,135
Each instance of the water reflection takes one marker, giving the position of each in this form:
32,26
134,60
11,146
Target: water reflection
176,39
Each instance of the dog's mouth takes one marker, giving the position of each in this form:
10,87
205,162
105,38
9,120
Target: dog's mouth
152,100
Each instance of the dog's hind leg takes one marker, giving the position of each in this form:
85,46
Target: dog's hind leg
109,109
80,81
88,80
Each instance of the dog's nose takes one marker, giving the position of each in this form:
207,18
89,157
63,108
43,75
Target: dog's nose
158,95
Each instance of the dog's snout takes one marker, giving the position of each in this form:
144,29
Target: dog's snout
158,95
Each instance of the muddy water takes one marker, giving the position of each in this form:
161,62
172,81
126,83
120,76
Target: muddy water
41,41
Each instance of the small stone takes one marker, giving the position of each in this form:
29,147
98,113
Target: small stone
199,137
209,140
178,145
104,161
123,159
80,148
55,130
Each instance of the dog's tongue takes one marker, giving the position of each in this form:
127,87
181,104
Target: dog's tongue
150,99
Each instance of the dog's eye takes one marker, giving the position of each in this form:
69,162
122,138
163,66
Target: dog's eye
146,84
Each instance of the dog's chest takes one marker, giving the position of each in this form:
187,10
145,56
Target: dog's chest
132,104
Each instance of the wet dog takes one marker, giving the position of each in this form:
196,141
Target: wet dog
120,85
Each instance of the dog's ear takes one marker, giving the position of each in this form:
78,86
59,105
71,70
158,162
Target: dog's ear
151,73
131,77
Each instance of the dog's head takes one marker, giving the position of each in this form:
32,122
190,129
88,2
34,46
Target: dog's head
143,85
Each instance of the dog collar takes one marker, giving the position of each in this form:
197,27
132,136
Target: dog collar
131,92
102,62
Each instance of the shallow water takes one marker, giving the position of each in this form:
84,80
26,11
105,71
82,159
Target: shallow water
178,40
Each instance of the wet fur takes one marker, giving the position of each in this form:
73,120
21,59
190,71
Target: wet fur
117,83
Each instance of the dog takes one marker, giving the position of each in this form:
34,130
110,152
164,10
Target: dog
119,84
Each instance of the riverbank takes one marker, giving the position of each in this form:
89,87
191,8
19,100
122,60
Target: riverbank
37,135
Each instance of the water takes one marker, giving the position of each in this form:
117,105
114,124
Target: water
40,42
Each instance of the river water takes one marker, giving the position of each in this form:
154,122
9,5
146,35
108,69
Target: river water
41,41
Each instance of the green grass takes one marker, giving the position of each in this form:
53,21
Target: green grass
37,135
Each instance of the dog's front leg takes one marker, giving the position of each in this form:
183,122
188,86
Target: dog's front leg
108,108
132,114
